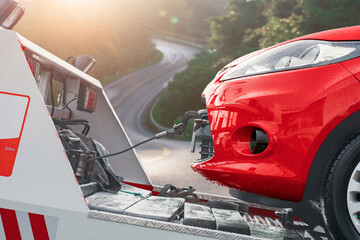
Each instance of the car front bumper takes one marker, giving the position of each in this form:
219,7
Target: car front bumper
294,108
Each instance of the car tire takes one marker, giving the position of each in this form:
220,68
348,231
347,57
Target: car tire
337,198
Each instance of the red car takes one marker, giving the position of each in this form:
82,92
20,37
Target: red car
285,126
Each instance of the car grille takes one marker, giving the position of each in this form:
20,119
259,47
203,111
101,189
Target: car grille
204,134
207,148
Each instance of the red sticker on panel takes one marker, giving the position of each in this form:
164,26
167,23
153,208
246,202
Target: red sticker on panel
13,109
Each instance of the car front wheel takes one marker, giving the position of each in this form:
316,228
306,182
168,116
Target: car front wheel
341,195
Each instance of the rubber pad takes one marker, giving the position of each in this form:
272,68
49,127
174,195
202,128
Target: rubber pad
199,216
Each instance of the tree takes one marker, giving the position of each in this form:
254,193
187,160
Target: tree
184,92
252,24
228,32
327,14
284,19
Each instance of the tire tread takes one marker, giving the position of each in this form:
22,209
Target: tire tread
327,195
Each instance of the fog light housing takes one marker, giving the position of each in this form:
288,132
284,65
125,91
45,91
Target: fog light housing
259,141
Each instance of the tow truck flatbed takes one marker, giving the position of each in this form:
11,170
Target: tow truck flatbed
44,194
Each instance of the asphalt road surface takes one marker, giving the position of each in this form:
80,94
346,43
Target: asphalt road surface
165,161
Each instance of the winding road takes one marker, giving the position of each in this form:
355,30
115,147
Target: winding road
164,160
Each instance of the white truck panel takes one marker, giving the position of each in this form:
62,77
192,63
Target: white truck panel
51,59
41,175
112,135
41,192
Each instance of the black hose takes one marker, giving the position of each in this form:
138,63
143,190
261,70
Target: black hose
64,123
67,104
117,153
189,115
64,97
177,129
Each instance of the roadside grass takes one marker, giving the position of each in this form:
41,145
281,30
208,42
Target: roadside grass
184,92
188,132
155,59
158,111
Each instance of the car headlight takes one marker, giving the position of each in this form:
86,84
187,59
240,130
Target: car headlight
295,55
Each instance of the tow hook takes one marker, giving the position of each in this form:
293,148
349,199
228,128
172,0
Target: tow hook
180,128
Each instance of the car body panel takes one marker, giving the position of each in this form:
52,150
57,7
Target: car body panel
296,108
353,67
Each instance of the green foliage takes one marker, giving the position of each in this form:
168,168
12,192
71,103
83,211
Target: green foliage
327,14
285,8
280,29
229,31
247,26
68,28
184,18
116,33
183,92
284,19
